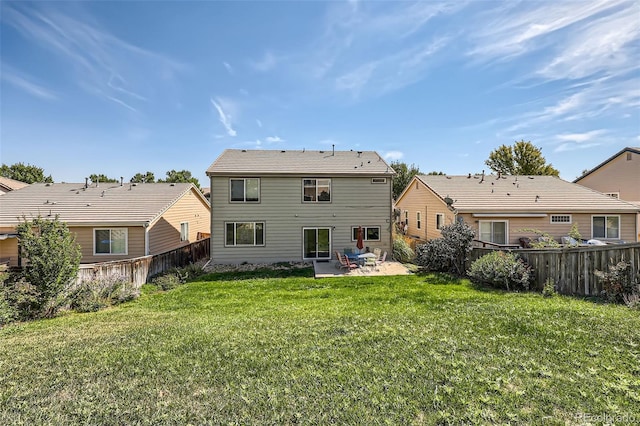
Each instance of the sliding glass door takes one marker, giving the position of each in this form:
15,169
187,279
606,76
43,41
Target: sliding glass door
316,243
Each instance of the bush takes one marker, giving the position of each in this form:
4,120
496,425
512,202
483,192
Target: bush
53,257
617,282
549,289
100,293
449,253
21,300
167,281
402,252
175,277
501,269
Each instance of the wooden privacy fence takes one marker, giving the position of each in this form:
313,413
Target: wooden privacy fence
140,269
572,269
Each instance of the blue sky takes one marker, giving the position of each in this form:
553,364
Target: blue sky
126,87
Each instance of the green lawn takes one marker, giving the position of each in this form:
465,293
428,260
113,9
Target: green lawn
363,350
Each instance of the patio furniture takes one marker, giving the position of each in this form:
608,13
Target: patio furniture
343,262
350,265
377,252
370,262
382,259
350,254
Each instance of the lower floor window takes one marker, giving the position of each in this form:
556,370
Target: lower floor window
494,232
244,234
184,231
439,220
606,226
369,233
110,241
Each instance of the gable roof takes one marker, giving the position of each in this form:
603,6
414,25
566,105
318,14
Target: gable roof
305,162
522,194
635,150
103,205
8,184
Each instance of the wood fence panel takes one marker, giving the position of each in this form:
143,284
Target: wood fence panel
572,269
141,269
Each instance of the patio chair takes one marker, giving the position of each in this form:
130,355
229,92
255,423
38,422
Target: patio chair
382,259
348,264
377,252
370,262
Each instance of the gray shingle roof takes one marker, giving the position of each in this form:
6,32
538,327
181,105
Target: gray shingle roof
522,194
274,162
109,203
11,184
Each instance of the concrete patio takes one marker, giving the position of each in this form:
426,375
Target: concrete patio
329,269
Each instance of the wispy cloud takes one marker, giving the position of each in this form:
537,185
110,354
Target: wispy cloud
224,118
580,137
100,63
393,155
575,141
22,82
274,139
259,123
266,63
228,67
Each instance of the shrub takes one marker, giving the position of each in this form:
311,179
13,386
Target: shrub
617,282
402,252
501,269
544,240
100,293
632,300
175,277
449,253
53,258
167,281
22,300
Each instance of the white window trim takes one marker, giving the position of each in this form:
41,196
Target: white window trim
317,201
419,219
126,241
264,234
551,221
364,233
244,193
442,221
619,237
186,237
506,229
406,217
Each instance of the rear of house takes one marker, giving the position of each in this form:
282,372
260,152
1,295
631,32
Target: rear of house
274,206
110,221
503,209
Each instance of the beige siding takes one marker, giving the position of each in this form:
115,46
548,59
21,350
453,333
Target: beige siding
355,201
164,235
84,237
516,226
419,198
620,176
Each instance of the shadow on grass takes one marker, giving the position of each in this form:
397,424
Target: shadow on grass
257,273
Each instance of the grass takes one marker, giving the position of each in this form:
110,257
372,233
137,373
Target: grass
255,348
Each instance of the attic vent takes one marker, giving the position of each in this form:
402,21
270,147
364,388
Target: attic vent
378,180
629,156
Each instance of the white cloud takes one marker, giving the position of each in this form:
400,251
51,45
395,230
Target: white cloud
580,137
393,155
274,139
224,118
267,63
259,123
228,67
25,84
573,147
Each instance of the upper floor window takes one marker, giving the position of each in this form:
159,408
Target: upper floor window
439,220
316,190
418,220
406,217
245,190
110,240
184,231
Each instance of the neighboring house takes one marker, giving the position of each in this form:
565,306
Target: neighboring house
500,208
271,206
618,176
110,221
8,184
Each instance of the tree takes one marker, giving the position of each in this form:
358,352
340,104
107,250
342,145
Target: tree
102,179
403,176
523,158
434,173
53,260
183,176
143,178
24,173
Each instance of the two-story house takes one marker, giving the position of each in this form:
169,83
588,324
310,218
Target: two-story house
271,206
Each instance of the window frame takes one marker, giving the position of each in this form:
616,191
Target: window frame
419,219
379,180
406,217
235,238
365,238
126,241
506,230
184,236
244,190
439,220
606,217
317,196
556,216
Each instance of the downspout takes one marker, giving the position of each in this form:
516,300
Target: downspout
146,238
